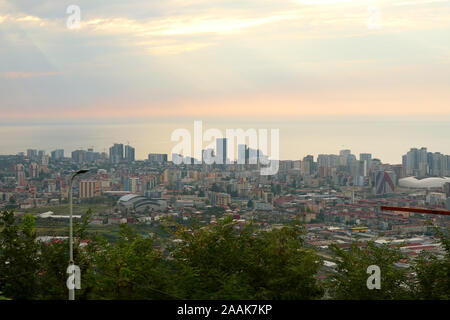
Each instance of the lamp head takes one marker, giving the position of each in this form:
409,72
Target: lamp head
79,172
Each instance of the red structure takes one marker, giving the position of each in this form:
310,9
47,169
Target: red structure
417,210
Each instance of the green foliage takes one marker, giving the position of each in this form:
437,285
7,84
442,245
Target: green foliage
226,261
2,297
433,273
18,257
349,282
130,269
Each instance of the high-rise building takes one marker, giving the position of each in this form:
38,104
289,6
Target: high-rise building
345,152
328,160
356,168
132,185
20,175
420,163
254,155
129,153
221,150
308,165
34,170
116,153
417,162
344,157
57,154
366,158
90,189
91,156
32,153
157,158
78,156
242,154
438,164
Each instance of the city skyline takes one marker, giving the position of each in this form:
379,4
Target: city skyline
315,70
418,161
387,139
217,150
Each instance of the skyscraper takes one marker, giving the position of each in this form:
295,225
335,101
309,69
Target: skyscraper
366,158
57,154
116,153
243,154
417,162
344,156
32,153
78,156
129,153
20,175
221,150
308,165
34,170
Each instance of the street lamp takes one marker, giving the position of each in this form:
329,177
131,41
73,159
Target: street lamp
71,262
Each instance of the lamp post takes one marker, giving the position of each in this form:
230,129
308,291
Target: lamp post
71,262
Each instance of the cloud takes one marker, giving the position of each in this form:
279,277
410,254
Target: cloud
221,55
28,18
190,25
173,32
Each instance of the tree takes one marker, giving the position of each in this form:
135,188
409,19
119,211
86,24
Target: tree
54,260
228,261
18,257
2,297
130,269
433,273
350,280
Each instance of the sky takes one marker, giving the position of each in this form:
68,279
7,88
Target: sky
327,73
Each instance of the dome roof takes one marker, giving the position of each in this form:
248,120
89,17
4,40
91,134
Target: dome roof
413,182
128,197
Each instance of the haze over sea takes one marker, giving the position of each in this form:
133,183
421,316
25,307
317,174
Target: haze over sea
387,139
